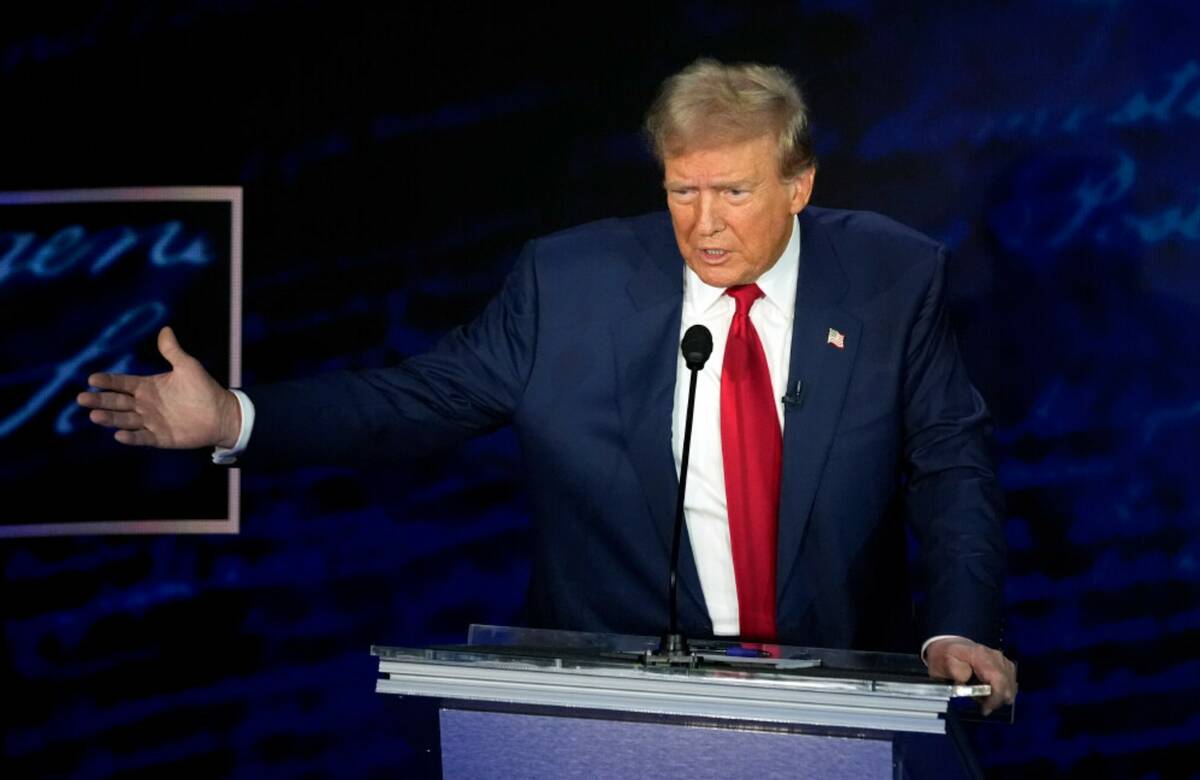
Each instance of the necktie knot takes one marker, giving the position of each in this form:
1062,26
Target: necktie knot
744,295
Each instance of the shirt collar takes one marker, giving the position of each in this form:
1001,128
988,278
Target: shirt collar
778,283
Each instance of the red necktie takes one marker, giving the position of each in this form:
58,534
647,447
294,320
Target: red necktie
752,449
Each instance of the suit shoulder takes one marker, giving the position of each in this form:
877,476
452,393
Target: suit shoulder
605,245
868,229
878,252
612,228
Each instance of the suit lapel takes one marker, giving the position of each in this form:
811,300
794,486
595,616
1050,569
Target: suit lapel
824,371
647,343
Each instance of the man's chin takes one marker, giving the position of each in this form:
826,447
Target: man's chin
718,276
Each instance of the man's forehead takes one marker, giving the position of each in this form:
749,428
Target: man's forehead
725,161
758,145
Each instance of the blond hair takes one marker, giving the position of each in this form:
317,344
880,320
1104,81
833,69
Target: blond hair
709,103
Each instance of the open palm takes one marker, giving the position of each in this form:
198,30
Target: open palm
183,408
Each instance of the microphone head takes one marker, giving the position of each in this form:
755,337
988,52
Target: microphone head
696,347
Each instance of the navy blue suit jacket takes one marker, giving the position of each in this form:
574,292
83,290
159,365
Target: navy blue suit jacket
579,351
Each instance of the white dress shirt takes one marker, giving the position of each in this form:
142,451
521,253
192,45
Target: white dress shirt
704,505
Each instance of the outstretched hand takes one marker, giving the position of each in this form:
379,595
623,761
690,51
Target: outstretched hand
960,659
180,409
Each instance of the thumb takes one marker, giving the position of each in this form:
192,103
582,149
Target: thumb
168,347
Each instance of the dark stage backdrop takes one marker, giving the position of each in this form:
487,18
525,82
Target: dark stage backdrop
394,162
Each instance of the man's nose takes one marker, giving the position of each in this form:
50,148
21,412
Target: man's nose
711,220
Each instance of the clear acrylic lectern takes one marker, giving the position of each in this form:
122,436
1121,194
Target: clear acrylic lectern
533,703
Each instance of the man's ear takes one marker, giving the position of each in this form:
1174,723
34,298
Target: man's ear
802,188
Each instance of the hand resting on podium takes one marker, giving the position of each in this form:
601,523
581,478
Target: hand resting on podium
959,659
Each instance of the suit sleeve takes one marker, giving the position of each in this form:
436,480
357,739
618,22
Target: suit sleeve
952,499
470,383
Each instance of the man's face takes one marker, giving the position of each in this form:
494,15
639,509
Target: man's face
731,211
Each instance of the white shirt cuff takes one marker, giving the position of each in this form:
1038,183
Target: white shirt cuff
224,456
933,639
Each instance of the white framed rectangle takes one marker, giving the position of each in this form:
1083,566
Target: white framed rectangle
30,260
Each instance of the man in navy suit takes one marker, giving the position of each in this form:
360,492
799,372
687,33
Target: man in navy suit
835,405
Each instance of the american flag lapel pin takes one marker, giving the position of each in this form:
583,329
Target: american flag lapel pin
836,338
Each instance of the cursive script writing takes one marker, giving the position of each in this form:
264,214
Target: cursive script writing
1172,97
1097,208
72,247
125,330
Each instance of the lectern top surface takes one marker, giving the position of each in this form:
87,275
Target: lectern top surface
621,656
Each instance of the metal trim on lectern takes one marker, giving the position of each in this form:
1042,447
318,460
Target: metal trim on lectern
602,672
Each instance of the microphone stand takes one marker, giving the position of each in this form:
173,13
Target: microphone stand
673,645
673,642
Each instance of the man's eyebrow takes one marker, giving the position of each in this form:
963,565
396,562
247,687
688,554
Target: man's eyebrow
730,184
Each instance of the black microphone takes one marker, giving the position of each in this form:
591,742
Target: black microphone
792,399
696,346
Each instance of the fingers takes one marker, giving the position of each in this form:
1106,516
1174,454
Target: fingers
1003,679
122,383
169,347
129,425
958,669
997,671
950,659
130,421
115,402
139,438
959,659
127,402
115,410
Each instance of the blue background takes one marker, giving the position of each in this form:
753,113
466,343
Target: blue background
393,163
